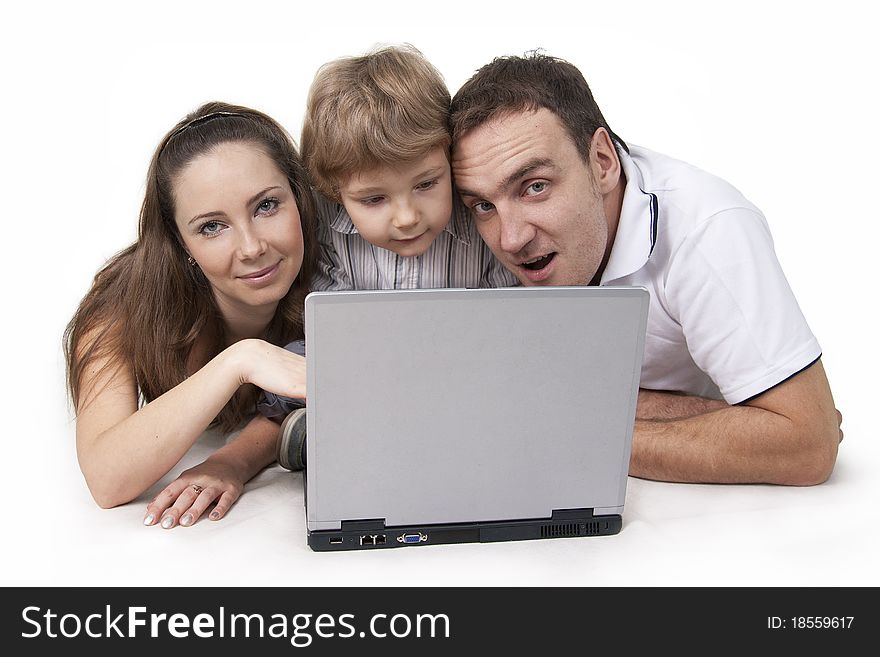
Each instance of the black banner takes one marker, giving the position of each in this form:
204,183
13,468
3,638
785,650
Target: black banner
433,620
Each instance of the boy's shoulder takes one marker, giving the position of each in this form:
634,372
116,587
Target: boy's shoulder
332,214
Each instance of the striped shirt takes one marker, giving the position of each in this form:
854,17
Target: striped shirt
457,257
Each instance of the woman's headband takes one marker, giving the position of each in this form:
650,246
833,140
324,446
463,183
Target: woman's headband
200,120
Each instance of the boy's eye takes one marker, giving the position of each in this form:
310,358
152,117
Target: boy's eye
372,200
428,184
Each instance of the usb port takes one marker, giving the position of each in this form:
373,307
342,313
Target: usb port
336,540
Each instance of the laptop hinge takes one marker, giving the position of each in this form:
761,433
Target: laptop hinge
363,525
571,514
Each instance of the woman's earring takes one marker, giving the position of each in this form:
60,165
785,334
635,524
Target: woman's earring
191,261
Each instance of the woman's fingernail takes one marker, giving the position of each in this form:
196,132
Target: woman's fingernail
167,521
149,519
187,519
215,515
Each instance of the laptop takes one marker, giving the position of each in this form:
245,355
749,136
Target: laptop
469,415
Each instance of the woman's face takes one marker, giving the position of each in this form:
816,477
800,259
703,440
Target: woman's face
239,221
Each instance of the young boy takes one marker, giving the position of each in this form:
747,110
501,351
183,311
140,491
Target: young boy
376,143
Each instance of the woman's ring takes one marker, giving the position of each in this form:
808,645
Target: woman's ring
198,489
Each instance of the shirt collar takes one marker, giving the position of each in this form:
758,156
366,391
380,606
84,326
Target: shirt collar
341,221
457,227
460,220
637,227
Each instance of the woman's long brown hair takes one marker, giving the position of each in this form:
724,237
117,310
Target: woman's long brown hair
147,305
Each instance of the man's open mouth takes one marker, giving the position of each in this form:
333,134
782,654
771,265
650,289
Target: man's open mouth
539,263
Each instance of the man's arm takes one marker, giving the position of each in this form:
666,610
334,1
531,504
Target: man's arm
788,435
662,405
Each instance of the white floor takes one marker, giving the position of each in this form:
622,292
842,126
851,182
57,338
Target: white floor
673,534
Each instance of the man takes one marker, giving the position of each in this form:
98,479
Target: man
561,200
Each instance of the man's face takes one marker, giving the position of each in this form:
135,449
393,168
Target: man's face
534,199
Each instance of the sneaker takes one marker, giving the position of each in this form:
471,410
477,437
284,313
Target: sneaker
292,442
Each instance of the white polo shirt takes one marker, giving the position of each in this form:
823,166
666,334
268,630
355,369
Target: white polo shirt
723,321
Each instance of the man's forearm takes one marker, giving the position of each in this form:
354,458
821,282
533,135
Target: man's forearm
787,435
657,405
737,444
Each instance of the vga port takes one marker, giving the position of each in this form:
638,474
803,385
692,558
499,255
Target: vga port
416,537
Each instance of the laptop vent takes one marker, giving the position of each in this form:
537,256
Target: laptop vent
570,529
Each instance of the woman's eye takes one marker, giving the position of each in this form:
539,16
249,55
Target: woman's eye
210,228
268,206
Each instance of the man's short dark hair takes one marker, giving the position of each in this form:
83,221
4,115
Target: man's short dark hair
515,84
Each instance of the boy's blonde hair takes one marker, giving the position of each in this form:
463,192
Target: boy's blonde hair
384,108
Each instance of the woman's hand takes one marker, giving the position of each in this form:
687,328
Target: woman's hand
186,499
219,480
271,368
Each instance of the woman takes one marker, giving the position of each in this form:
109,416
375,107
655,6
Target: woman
180,329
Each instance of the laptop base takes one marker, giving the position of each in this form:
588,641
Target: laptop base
373,534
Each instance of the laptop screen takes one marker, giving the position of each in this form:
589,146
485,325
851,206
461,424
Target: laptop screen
456,406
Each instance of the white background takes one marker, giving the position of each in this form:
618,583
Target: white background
780,98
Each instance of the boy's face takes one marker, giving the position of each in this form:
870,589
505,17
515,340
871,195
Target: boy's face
402,208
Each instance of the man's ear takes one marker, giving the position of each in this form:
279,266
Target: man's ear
604,163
